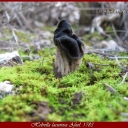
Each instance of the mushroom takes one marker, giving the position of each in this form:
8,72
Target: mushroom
70,50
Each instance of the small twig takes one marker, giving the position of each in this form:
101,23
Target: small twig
104,54
109,88
103,51
124,78
119,63
119,57
123,68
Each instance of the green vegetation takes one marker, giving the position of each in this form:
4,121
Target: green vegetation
79,96
22,36
51,28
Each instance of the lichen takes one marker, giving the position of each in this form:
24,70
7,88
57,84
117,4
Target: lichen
39,85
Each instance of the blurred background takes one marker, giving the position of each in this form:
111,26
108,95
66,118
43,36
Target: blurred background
100,25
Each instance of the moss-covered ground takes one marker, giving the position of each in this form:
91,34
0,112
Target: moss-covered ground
79,96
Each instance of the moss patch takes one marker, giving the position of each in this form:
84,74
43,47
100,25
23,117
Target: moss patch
79,96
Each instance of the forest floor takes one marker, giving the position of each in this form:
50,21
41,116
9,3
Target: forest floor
95,92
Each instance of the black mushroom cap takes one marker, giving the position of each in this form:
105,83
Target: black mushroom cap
64,37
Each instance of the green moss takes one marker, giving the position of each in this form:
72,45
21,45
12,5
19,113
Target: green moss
39,85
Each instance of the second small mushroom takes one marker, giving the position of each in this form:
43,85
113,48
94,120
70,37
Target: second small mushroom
70,50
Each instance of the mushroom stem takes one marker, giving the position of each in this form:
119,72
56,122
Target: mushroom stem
63,65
